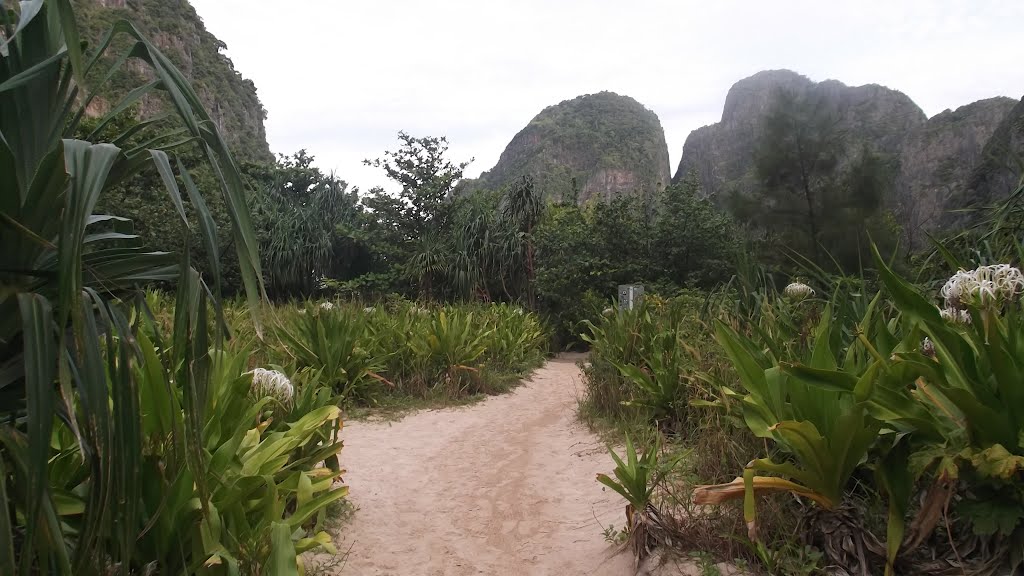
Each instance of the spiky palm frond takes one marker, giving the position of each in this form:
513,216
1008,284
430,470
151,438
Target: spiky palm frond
66,345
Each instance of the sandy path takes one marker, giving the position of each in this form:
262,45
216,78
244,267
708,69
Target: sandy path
502,487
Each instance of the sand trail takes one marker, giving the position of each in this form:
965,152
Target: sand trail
500,488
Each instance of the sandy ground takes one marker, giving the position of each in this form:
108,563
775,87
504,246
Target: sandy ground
502,487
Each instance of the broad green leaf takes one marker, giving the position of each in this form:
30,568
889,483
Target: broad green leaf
282,551
320,540
303,513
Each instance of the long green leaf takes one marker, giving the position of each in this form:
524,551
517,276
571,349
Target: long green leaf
28,11
7,563
207,227
19,80
282,551
894,479
40,370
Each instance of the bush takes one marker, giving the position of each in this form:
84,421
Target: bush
400,349
642,361
892,399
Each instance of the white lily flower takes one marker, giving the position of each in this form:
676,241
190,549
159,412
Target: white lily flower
985,286
327,305
798,291
273,384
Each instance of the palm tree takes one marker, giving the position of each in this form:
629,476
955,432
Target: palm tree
522,208
429,259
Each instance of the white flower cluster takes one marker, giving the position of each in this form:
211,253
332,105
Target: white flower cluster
327,305
368,310
954,316
273,384
984,286
798,291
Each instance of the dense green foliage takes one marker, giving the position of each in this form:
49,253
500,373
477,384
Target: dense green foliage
641,368
103,412
398,349
860,397
585,253
308,226
144,433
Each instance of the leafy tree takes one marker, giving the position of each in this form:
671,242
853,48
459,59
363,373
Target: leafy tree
694,241
815,191
477,262
521,210
411,228
426,178
564,269
621,243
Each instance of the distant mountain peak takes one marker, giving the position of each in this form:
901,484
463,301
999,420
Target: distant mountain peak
604,144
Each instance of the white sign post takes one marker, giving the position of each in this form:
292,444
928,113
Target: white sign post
630,295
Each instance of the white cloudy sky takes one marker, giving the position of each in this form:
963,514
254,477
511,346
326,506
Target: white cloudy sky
342,77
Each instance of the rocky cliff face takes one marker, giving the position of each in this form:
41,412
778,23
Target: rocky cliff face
722,154
1000,168
604,145
177,30
960,158
939,159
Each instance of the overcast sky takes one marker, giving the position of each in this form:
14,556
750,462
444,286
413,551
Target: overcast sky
340,78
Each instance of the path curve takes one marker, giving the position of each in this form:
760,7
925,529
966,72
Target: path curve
502,487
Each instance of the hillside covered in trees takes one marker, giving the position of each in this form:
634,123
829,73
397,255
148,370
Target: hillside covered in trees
597,146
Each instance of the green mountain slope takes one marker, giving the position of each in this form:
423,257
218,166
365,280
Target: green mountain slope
179,32
596,146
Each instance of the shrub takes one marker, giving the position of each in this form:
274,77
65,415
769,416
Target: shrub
908,400
642,361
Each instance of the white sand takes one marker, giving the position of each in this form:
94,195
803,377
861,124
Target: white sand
502,487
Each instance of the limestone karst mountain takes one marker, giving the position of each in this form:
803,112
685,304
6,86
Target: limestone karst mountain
175,27
596,146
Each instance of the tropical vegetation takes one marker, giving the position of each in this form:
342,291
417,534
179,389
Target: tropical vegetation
182,334
887,407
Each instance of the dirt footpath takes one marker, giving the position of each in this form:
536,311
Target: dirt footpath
504,487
